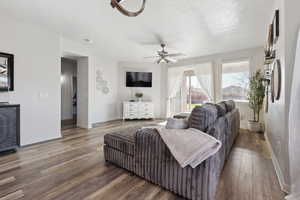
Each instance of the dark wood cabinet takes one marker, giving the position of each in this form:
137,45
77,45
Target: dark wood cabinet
9,126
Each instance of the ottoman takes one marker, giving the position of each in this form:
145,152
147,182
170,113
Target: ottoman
119,147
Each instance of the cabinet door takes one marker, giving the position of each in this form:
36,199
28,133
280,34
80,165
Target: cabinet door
146,110
130,110
8,128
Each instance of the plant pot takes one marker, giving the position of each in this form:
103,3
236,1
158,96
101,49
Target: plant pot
139,99
255,126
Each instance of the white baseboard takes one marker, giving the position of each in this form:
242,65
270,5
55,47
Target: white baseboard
293,197
283,185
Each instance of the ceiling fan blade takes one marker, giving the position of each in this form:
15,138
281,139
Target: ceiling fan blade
176,54
152,57
152,43
160,53
170,60
159,61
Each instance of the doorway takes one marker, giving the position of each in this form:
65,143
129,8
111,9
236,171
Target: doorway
69,93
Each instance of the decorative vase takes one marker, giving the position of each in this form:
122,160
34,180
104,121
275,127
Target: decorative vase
256,127
139,99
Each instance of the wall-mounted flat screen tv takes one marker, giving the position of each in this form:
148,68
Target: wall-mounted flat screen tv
138,79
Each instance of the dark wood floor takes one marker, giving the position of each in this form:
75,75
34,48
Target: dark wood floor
73,168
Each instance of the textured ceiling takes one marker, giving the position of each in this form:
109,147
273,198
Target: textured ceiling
193,27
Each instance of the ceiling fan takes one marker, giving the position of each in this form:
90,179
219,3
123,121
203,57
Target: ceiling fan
164,56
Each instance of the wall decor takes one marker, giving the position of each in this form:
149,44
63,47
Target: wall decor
6,72
276,30
270,37
101,84
270,53
267,75
117,4
276,79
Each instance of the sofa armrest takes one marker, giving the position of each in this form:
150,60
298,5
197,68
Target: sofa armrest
154,162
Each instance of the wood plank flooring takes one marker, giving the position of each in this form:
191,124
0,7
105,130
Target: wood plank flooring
73,168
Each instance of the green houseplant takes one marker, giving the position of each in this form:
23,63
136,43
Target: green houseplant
139,96
256,95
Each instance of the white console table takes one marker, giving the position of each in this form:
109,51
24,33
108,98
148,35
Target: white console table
138,110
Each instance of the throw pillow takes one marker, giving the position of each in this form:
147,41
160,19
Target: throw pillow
173,123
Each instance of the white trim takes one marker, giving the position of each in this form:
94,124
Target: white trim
283,185
293,197
241,101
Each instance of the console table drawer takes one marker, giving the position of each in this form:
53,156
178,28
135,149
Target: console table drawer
147,116
137,110
131,116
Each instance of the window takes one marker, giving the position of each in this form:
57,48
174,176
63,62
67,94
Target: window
188,87
195,95
235,80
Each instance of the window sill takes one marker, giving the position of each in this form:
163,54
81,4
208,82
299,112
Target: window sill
237,100
241,101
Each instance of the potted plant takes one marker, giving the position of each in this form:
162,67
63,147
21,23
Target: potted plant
256,95
139,96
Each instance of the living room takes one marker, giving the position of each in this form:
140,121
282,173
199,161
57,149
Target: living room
188,51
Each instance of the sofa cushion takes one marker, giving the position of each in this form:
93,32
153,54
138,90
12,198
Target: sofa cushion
203,116
230,105
123,140
222,108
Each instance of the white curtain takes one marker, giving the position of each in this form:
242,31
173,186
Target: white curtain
175,78
204,73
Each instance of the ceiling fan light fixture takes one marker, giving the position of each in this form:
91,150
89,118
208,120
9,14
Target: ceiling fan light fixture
116,4
164,57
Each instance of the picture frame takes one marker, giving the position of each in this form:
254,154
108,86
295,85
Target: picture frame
270,38
276,28
276,76
6,72
270,53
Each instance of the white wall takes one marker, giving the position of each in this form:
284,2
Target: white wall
276,126
68,71
83,95
105,106
101,107
292,26
294,126
286,161
292,29
38,55
153,94
37,78
254,55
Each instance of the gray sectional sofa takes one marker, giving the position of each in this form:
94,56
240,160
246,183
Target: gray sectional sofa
143,152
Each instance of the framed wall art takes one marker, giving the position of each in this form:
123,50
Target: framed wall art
276,28
276,76
6,72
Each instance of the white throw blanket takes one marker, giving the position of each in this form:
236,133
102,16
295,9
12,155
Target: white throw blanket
189,146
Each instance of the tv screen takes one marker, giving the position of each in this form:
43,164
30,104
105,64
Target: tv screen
138,79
